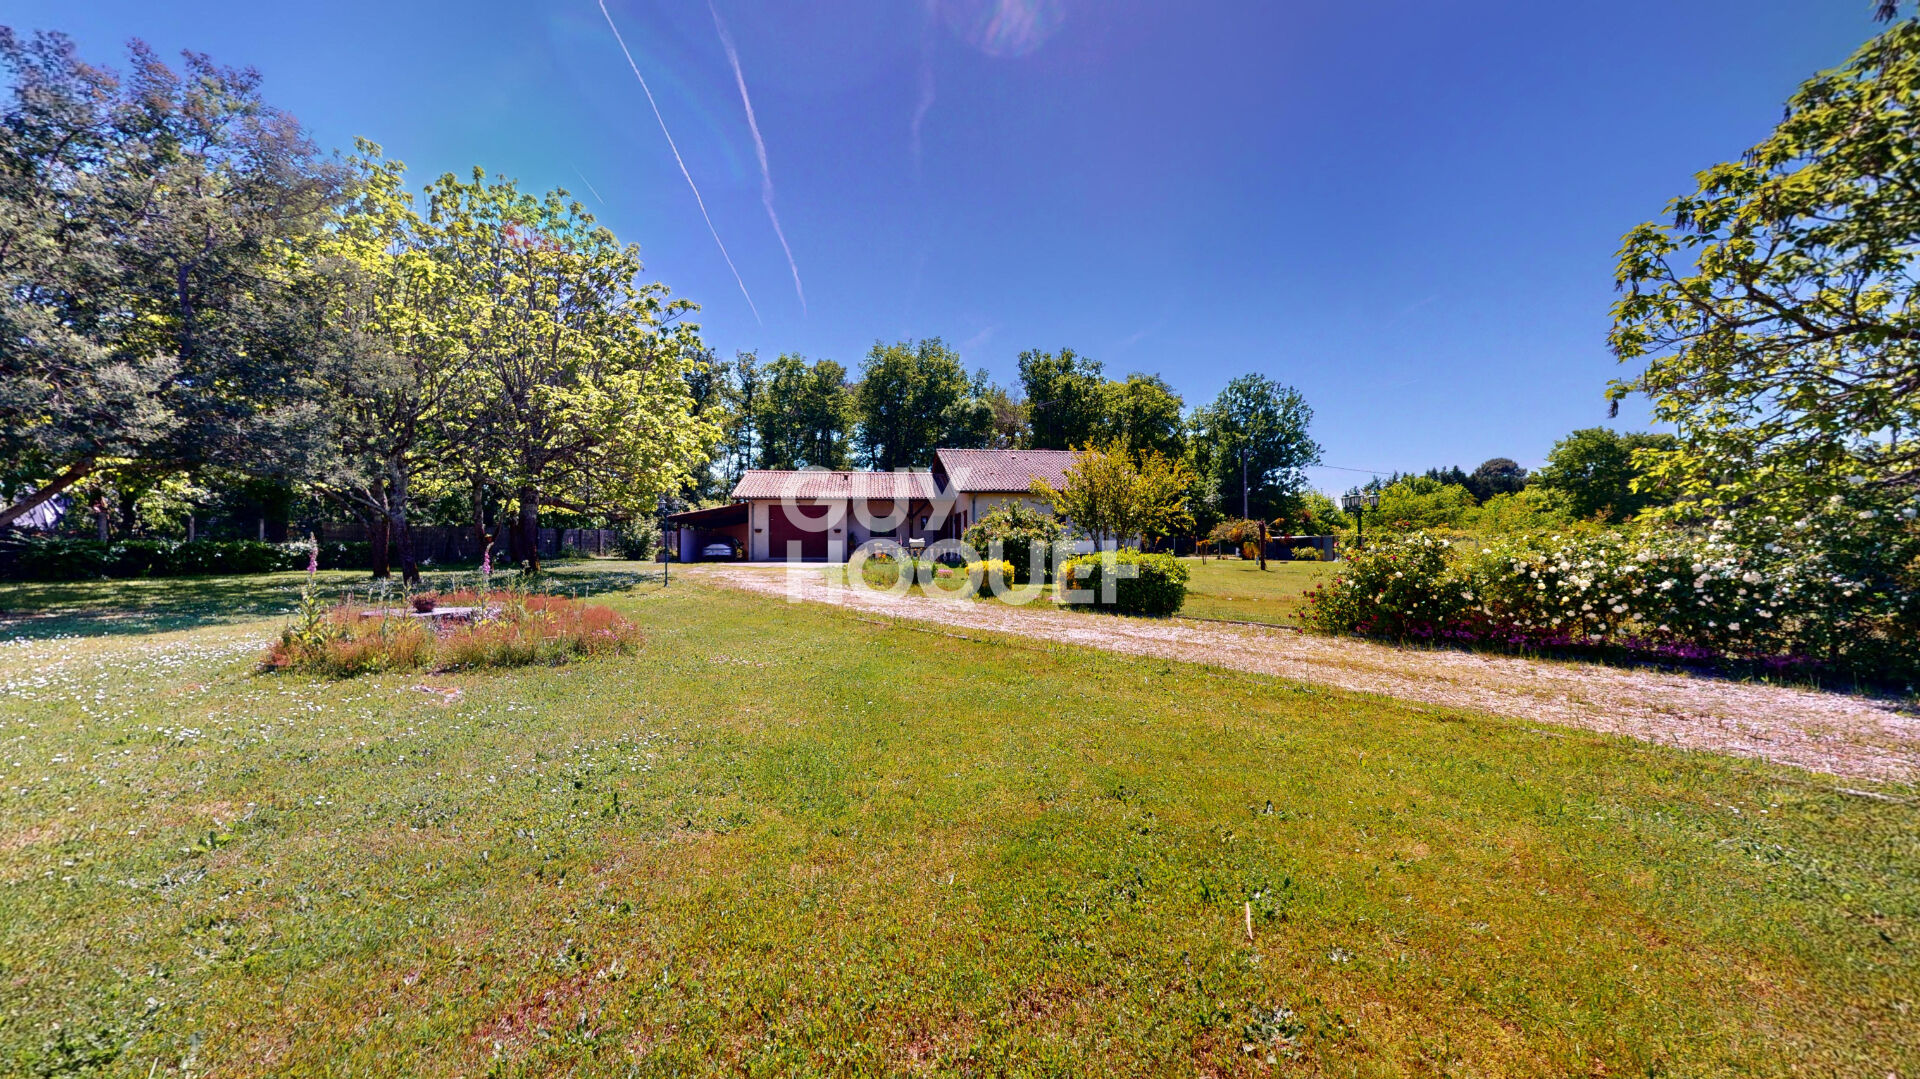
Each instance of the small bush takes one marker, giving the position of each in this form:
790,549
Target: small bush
639,540
513,630
987,567
1156,586
59,559
1013,532
1306,553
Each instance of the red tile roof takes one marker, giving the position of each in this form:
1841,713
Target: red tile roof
1004,470
766,483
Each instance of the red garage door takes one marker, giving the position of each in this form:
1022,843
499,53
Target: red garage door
783,526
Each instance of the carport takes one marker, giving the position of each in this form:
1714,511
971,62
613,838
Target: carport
690,533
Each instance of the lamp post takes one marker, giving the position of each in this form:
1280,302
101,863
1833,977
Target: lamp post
1358,505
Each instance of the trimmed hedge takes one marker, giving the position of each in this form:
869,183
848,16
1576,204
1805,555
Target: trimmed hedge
59,559
1156,586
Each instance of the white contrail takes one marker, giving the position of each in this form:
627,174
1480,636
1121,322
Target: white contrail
677,160
759,147
590,187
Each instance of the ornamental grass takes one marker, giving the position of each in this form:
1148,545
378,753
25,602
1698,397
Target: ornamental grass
471,632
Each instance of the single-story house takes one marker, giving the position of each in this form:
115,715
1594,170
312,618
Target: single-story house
815,515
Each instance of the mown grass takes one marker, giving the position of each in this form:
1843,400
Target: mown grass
1240,591
785,840
43,609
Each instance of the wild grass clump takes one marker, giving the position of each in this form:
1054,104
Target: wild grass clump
502,630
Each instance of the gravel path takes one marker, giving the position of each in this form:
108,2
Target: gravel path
1839,734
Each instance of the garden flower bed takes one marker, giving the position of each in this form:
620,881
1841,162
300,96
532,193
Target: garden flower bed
461,631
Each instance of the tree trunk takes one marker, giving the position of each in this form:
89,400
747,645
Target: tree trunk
530,527
480,518
377,545
76,472
397,493
1263,543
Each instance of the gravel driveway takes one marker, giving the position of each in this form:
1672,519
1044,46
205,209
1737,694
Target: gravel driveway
1839,734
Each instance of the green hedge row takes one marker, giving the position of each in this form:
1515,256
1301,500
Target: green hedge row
38,559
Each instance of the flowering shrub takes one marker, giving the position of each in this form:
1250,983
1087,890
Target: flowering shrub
1658,593
984,570
1017,533
1400,587
508,630
1155,585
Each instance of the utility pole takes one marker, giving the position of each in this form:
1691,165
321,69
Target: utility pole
1243,484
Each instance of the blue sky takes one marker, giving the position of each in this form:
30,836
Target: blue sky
1408,210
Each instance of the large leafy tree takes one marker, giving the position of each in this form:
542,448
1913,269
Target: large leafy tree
390,362
1142,414
806,416
1496,476
1603,473
1252,443
578,370
914,398
743,386
1066,397
151,231
1776,314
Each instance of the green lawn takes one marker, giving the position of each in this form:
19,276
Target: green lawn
784,840
1241,591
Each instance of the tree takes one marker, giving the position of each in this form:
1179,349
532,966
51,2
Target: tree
1011,428
1603,474
806,415
913,398
1496,476
582,371
742,392
1312,514
1267,422
1141,414
150,307
388,364
1415,502
1530,509
1064,398
1778,314
1112,492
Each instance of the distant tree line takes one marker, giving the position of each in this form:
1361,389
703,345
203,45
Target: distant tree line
1249,446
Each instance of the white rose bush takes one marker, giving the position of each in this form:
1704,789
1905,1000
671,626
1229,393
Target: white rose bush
1818,599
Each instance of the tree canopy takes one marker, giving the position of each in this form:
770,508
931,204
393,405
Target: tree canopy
913,398
1268,422
1777,312
148,230
1603,474
806,416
